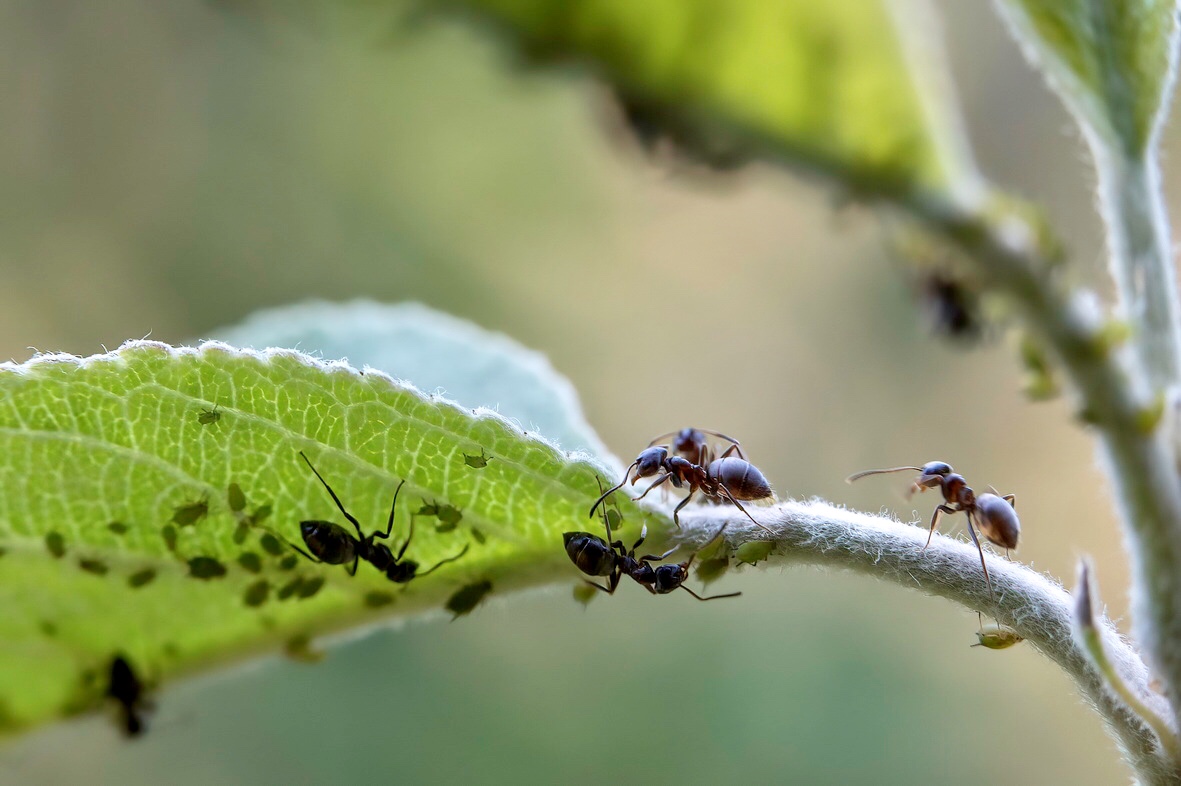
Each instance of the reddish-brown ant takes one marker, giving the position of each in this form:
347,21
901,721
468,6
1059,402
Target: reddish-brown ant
332,543
994,515
597,557
725,478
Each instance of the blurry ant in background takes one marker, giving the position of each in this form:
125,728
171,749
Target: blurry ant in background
691,444
126,689
728,477
994,515
332,543
597,557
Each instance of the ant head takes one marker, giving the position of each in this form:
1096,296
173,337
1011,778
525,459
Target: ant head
940,469
669,578
589,553
650,461
402,572
689,441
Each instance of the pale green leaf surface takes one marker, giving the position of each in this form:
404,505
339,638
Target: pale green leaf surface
117,438
1111,60
435,352
831,85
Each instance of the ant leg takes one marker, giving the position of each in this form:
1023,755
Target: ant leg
1011,499
409,535
442,563
935,523
389,527
738,505
677,509
309,557
987,578
733,449
613,488
711,597
599,587
663,478
356,561
336,499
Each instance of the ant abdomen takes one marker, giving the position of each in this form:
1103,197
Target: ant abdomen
329,542
591,554
743,479
998,520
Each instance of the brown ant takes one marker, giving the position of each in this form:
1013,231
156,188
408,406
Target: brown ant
597,557
332,543
994,515
726,478
126,689
691,444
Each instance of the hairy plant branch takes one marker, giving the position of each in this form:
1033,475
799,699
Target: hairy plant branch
1138,450
1037,607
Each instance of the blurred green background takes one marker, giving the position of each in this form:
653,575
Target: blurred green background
171,167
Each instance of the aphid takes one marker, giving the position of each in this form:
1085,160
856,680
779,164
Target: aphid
466,598
56,544
998,637
118,528
257,593
951,307
994,515
250,561
97,567
728,477
189,514
236,498
332,543
208,417
206,568
597,557
126,689
141,578
477,462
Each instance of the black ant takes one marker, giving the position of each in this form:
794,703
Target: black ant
994,515
332,543
725,478
597,557
126,689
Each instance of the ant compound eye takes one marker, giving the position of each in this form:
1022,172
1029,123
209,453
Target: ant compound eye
940,468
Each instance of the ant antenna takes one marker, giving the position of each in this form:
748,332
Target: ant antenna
859,475
613,488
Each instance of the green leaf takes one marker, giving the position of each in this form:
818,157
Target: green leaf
855,88
1110,60
119,438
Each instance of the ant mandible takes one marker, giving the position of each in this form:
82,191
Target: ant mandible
597,557
727,477
332,543
994,515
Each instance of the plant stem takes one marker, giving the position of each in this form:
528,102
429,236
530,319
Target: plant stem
1039,609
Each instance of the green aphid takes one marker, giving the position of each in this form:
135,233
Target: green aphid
710,570
190,514
169,535
477,462
97,567
141,578
290,588
236,498
270,544
299,648
478,536
3,551
48,628
997,637
56,544
376,599
207,417
260,514
206,568
309,587
118,528
241,532
289,562
250,561
257,593
584,593
754,552
449,518
467,598
614,517
428,509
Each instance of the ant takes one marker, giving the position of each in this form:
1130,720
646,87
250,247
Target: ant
725,478
994,515
332,543
126,689
597,557
691,444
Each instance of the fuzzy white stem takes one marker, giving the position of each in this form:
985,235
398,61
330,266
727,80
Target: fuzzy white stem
1034,605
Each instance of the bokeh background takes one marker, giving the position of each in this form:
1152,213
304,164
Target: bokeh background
170,167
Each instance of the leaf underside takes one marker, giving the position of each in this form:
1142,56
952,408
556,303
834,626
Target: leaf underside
149,490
